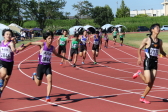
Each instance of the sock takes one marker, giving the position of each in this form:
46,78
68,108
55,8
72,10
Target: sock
47,97
142,97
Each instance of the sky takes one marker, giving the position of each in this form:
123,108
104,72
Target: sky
132,4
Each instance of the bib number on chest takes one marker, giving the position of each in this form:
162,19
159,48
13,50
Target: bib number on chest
62,42
74,45
96,42
154,52
46,57
5,53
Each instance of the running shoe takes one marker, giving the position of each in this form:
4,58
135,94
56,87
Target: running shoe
33,75
73,65
1,82
95,62
143,100
61,64
0,93
136,74
48,99
83,63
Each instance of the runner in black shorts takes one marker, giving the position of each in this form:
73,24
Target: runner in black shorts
44,66
115,33
83,48
62,41
7,50
74,48
152,46
96,46
122,35
106,39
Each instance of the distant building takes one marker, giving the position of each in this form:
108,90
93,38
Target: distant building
152,12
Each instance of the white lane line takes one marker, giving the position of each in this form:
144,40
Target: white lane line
26,107
160,110
134,65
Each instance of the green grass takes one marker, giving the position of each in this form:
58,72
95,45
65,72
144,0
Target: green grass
27,41
135,39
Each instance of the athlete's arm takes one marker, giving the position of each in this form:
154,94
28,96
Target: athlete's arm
161,49
31,43
58,40
143,44
12,46
58,55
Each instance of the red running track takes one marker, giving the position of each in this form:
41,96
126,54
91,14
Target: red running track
105,87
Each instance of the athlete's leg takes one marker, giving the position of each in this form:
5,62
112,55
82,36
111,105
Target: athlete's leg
6,79
3,72
84,55
94,55
62,60
49,84
75,58
150,79
146,77
97,53
81,54
37,81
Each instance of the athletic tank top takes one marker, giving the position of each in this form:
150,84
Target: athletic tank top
75,44
100,34
63,40
83,40
115,33
6,53
96,40
153,50
45,55
106,37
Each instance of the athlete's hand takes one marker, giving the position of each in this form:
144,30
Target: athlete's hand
139,62
100,48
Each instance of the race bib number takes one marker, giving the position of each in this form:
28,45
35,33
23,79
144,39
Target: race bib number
83,41
46,57
62,42
5,53
96,42
74,45
154,52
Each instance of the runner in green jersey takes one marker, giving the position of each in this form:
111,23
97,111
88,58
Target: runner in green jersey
115,33
74,48
122,35
61,42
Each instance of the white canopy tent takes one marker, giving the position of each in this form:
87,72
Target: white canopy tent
13,24
15,27
92,29
119,26
107,27
2,26
75,28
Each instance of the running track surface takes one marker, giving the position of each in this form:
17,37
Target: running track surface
105,87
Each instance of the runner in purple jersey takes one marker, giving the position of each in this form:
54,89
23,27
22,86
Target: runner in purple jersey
7,49
44,66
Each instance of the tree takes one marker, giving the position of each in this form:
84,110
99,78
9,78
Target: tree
123,11
102,15
41,11
11,11
83,8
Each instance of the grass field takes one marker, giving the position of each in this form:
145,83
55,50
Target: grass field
135,39
26,41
